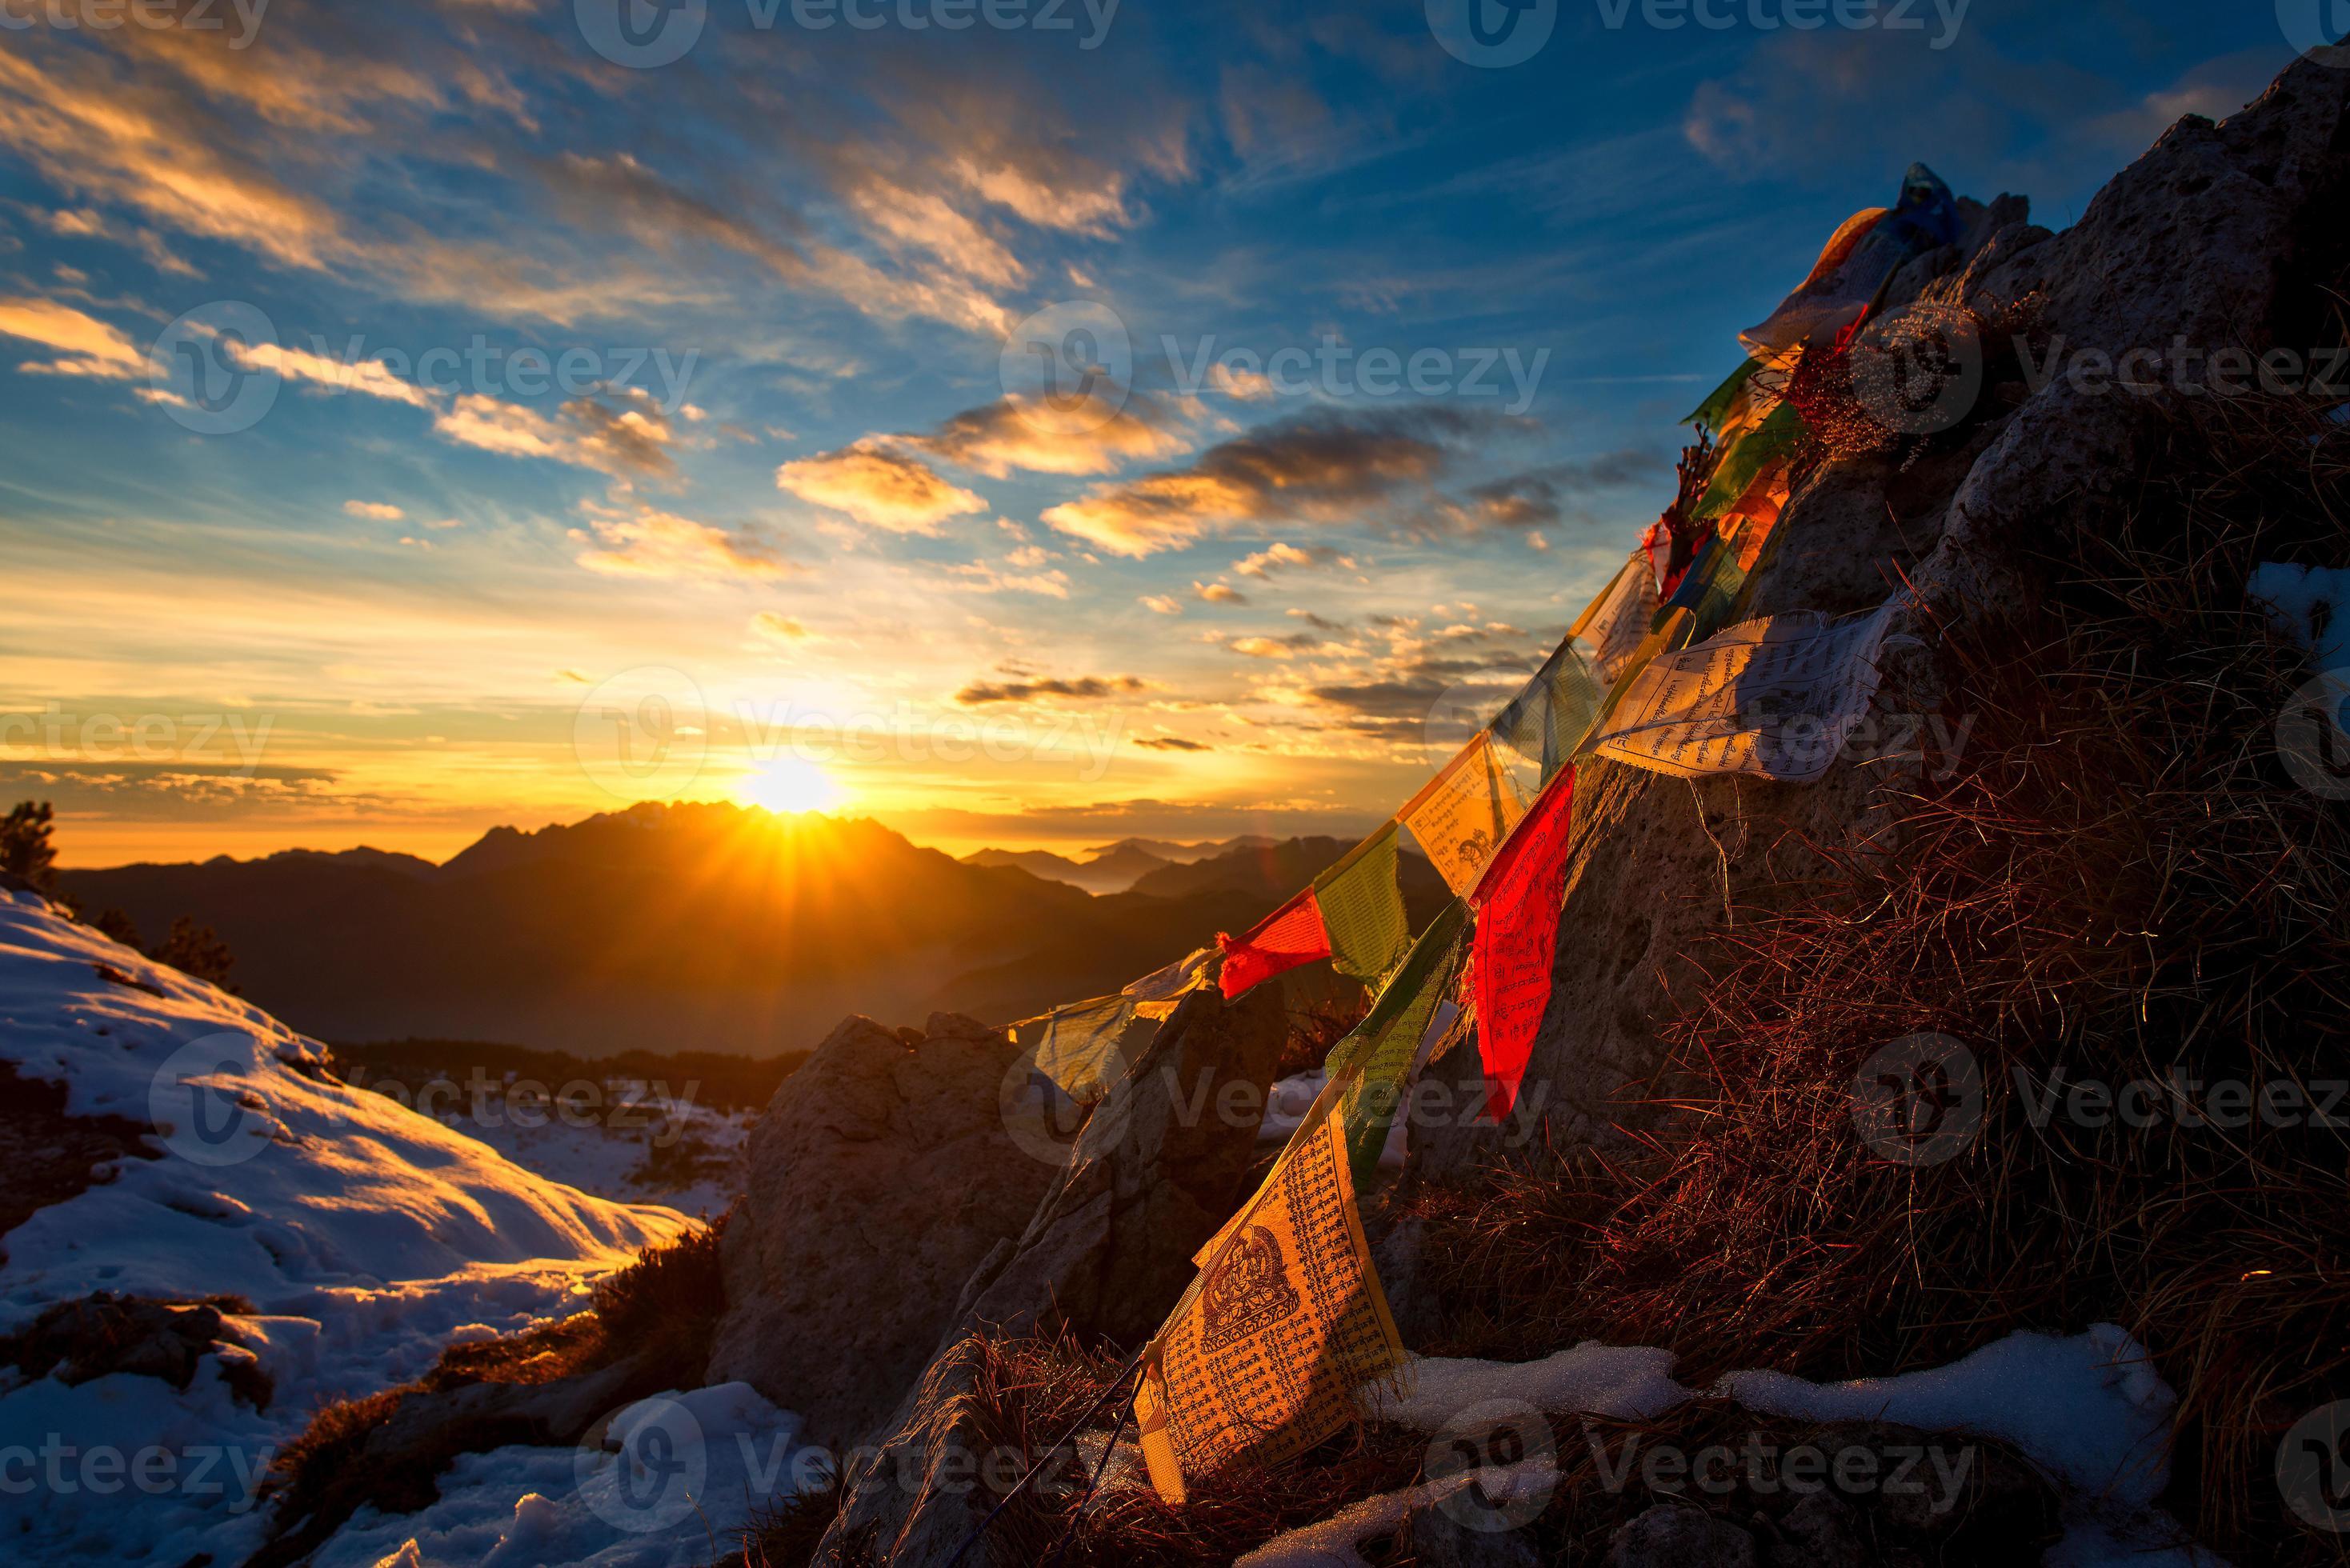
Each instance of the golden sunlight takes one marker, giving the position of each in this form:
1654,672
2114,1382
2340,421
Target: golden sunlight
790,785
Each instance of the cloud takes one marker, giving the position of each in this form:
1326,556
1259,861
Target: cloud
1162,604
367,377
1327,465
1559,491
978,577
879,487
1088,687
1010,433
1265,561
375,511
108,137
776,626
84,345
1219,593
626,436
1170,743
1288,646
651,544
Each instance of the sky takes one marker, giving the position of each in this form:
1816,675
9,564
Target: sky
1028,423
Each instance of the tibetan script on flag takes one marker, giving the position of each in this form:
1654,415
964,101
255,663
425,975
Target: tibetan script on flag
1264,1356
1463,814
1775,698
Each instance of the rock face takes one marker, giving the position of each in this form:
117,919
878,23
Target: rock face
1158,1168
2188,250
881,1176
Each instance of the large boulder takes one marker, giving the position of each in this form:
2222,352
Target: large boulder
880,1176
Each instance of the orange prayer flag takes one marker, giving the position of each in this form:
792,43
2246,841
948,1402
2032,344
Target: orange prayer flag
1290,936
1511,957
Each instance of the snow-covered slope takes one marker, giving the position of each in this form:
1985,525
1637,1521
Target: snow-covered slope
365,1236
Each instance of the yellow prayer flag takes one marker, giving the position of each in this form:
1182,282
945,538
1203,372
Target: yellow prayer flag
1264,1356
1464,814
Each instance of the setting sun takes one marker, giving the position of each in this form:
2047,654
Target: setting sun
789,785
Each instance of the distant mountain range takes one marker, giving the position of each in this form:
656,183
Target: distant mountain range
1114,868
703,927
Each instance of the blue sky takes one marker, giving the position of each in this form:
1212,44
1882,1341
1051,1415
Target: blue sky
554,404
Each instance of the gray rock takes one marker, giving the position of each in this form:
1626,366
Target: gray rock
1158,1168
1440,1541
1671,1536
1821,1530
878,1178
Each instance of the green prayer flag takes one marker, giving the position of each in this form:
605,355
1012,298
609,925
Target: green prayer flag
1362,909
1725,586
1710,413
1747,456
1371,1063
1545,722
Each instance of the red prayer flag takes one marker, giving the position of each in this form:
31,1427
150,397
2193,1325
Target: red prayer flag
1517,904
1290,936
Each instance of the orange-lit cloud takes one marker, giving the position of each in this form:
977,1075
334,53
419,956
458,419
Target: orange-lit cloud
651,544
84,345
879,487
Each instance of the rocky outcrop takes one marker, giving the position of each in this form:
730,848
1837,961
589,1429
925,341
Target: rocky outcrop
2192,250
880,1176
1158,1168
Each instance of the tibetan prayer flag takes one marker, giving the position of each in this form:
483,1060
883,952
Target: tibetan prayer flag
1157,993
1290,936
1464,812
1546,721
1263,1357
1716,407
1867,250
1077,1046
1371,1063
1362,909
1775,698
1612,627
1517,943
1745,458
